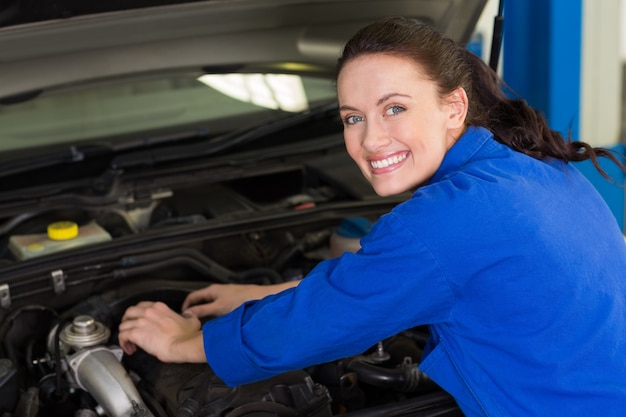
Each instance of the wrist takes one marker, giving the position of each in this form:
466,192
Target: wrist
188,349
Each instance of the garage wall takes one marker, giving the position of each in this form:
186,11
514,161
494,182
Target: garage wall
567,58
603,57
602,93
601,72
622,25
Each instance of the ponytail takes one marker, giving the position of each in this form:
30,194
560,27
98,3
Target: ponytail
511,120
518,125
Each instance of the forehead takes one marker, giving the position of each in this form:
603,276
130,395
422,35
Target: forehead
377,73
386,60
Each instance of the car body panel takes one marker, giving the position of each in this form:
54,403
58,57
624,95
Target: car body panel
203,34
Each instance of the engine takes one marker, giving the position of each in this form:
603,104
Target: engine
60,306
69,364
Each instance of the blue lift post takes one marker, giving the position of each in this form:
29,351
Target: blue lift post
542,63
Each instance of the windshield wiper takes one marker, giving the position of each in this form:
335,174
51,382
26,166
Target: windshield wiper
25,160
222,143
32,161
20,98
71,154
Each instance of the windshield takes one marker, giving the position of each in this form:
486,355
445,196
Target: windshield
104,109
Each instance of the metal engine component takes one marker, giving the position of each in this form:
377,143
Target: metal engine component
97,369
84,332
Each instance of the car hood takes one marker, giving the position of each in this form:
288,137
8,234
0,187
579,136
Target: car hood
41,47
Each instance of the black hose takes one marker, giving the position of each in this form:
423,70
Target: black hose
309,241
151,267
252,274
190,407
434,404
216,270
287,255
263,408
58,367
152,403
6,349
418,336
7,322
405,378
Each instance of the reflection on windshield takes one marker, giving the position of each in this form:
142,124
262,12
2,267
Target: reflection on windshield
112,108
273,91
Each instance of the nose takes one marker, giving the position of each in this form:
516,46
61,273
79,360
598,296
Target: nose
376,135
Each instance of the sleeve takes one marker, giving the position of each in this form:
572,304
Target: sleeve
342,308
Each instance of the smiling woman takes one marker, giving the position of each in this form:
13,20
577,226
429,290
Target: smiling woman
520,323
398,136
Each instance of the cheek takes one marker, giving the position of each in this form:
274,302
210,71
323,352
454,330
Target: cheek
353,145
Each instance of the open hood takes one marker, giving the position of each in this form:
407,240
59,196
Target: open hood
40,48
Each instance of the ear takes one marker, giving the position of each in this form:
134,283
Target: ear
457,105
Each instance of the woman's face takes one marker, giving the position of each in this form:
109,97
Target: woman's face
396,127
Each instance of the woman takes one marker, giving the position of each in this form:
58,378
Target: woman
505,251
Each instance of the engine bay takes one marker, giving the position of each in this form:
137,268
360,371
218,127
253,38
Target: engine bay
69,364
166,237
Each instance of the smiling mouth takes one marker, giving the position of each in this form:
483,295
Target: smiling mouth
387,162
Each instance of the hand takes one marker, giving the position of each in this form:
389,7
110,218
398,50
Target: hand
220,299
158,330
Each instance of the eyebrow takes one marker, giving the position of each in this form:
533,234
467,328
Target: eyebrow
390,95
378,103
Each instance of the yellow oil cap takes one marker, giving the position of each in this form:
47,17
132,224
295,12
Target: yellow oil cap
63,230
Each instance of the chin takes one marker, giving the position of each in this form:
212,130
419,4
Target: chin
387,190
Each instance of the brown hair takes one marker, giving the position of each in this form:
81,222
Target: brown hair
511,120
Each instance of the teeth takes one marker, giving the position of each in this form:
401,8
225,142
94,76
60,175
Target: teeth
384,163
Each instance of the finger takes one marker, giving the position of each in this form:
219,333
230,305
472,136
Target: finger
129,324
137,310
192,298
125,343
199,296
193,320
158,308
203,310
146,304
128,347
189,314
132,313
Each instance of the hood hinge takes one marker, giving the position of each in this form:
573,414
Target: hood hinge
5,296
58,281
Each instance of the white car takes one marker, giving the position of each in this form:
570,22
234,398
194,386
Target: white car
148,149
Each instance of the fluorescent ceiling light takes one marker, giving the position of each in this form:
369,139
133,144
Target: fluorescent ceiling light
272,91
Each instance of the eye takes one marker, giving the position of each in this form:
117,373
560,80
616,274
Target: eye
394,110
351,120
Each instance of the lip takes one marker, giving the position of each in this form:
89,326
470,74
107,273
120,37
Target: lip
382,164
